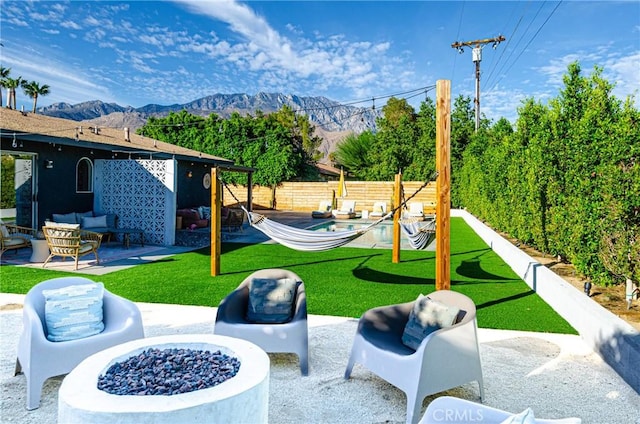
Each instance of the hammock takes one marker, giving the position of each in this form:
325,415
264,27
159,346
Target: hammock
419,233
306,240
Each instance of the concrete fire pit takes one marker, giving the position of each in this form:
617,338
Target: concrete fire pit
242,398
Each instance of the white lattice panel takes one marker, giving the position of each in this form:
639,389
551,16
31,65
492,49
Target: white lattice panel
142,193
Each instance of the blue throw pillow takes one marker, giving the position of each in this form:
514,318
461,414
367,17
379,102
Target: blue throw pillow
427,316
271,301
73,312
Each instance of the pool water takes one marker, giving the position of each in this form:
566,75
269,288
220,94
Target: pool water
379,236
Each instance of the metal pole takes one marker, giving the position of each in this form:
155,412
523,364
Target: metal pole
477,58
477,100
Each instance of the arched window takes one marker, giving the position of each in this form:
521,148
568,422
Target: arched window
84,176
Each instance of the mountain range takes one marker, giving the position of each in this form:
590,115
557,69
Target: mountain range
333,121
328,114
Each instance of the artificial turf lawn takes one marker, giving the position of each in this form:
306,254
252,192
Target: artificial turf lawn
341,282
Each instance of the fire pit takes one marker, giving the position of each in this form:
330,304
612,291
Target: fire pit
242,398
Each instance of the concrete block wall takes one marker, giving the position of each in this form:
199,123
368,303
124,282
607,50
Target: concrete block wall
613,338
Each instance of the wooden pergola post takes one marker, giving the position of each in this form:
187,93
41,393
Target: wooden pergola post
397,199
443,184
216,222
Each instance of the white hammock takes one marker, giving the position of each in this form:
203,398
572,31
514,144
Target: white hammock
419,233
306,240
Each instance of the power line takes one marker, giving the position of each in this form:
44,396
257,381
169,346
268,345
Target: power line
509,40
528,43
453,71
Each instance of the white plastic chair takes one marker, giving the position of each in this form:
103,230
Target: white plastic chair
447,358
451,409
288,337
40,359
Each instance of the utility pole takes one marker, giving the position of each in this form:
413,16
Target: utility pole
477,45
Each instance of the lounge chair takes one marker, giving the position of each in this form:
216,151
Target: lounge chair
447,357
14,237
324,210
467,412
289,336
379,210
39,358
416,210
346,211
71,242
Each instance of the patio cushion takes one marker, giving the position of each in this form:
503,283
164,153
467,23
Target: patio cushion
80,215
73,312
62,225
94,222
15,241
427,316
5,232
271,301
68,218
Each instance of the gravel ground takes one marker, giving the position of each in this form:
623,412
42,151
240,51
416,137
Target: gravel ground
556,375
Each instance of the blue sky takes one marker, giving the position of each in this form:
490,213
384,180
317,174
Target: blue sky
141,52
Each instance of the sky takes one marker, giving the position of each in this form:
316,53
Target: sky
360,52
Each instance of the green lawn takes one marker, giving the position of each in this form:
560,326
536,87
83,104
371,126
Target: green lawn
342,282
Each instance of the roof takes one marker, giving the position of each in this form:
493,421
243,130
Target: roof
65,131
327,169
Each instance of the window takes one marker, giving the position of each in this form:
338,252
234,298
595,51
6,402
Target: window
84,176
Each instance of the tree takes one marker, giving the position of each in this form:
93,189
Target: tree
4,74
462,130
353,151
11,84
273,144
33,89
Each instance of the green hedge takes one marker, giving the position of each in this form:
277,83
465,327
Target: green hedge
566,180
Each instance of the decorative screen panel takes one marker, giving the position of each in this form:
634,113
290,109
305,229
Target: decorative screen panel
142,193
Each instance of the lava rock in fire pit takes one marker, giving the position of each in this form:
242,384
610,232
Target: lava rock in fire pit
168,372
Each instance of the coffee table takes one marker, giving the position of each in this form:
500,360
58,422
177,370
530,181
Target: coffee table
126,235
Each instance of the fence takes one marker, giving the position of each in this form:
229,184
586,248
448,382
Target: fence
306,196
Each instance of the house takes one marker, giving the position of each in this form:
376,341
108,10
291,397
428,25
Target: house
66,166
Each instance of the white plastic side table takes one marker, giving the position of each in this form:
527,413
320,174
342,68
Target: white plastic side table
40,250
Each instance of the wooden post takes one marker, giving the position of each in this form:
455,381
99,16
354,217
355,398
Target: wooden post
216,222
443,184
397,194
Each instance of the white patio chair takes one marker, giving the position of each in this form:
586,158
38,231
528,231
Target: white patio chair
446,358
379,210
347,210
324,210
40,359
461,411
289,337
416,210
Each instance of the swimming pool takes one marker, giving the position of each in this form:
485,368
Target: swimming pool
380,236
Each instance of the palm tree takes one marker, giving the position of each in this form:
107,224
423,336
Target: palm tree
4,73
33,89
11,84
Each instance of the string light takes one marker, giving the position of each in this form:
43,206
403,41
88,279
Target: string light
15,143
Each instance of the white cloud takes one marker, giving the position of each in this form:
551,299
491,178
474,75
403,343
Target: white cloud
332,59
70,25
67,84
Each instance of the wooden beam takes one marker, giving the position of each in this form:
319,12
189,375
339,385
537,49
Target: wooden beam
216,222
397,199
443,184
